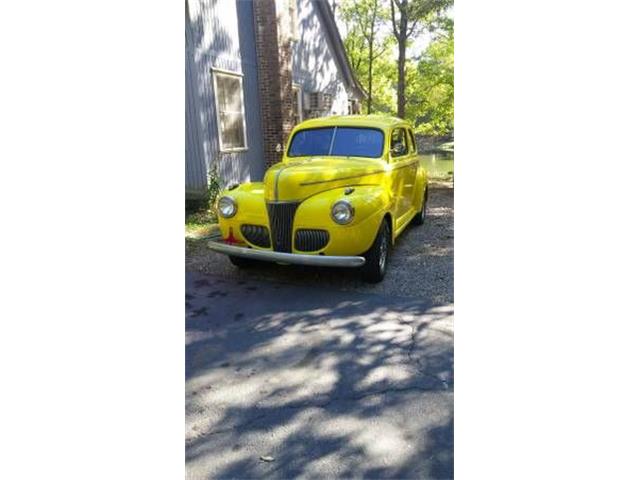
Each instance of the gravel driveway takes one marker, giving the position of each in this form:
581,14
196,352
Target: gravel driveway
421,263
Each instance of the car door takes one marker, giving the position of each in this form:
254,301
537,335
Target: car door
401,159
411,170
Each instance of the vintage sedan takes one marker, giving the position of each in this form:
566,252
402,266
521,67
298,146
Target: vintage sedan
346,188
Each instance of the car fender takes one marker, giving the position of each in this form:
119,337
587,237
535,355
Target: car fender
251,208
370,202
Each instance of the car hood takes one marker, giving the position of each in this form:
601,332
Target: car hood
296,180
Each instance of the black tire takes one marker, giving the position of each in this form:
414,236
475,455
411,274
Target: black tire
241,262
377,257
421,216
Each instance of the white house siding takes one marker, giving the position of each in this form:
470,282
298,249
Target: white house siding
219,34
314,64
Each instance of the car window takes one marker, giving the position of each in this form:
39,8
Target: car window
337,141
399,141
358,142
315,141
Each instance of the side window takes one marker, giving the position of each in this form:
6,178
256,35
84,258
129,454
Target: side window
229,100
399,144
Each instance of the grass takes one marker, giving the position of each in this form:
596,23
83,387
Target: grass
200,223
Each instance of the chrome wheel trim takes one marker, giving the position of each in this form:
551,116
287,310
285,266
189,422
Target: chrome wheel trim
384,250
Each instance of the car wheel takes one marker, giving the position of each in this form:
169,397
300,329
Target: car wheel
241,262
421,216
378,255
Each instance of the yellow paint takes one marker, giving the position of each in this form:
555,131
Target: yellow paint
387,185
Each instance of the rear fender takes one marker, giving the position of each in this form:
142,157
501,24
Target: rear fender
422,182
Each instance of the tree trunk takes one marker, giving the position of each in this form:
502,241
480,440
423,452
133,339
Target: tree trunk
400,32
369,93
402,46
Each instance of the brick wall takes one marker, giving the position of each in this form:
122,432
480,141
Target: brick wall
274,53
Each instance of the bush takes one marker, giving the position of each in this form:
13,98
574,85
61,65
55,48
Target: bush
206,202
213,190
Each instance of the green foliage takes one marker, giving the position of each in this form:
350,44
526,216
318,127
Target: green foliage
383,85
409,19
364,44
430,87
200,215
428,77
213,189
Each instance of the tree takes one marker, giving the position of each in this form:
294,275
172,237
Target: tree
408,18
365,17
430,85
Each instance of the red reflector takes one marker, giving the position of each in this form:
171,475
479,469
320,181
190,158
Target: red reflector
231,239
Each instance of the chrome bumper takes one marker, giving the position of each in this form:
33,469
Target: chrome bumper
289,258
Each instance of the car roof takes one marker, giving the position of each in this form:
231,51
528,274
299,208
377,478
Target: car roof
379,121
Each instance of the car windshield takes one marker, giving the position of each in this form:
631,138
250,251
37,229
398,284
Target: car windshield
337,142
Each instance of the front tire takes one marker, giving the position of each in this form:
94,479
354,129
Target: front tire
378,255
241,262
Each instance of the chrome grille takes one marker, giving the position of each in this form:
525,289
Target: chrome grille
308,240
281,223
256,235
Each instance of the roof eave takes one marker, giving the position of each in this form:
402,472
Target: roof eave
338,47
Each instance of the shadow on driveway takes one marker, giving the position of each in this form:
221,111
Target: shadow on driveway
327,383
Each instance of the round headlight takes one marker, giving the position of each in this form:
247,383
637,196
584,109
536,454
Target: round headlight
227,207
342,212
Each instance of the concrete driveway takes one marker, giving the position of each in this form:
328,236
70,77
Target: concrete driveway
286,381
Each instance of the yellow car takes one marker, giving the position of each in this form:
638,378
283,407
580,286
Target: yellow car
346,188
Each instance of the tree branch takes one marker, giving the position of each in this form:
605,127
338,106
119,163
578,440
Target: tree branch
412,28
393,19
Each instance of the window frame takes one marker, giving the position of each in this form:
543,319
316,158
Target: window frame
412,137
215,72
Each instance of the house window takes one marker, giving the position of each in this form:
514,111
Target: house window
229,99
297,104
314,101
320,101
327,101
